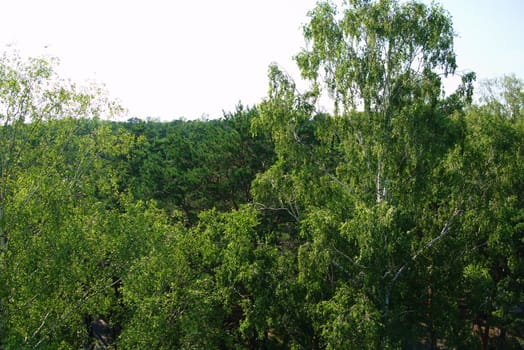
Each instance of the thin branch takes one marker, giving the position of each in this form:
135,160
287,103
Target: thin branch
260,206
351,260
38,343
40,327
445,230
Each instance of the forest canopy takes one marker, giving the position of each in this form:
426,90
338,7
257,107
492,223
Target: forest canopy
395,222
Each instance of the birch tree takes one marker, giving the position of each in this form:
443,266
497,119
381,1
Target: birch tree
381,58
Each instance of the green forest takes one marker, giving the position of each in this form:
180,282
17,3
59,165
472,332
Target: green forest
394,221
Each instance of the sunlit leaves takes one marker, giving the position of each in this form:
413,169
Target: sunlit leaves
363,51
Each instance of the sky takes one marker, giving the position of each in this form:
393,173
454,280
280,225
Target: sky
170,59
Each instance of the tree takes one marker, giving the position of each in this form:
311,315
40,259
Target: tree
490,167
220,284
380,57
362,185
504,97
197,165
58,180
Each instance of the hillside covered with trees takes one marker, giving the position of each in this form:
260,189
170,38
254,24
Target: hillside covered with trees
394,222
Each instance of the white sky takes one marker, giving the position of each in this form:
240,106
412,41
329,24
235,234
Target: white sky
171,59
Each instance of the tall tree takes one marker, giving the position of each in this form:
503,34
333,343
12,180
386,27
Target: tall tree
490,166
382,58
362,186
58,256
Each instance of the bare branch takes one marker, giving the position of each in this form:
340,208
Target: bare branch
40,327
445,230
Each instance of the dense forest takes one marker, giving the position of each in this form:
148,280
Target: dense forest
396,221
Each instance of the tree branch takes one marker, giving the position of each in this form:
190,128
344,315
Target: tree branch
445,230
39,328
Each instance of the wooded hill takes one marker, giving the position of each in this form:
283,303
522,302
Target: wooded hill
395,222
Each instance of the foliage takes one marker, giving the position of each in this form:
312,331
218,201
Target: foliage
395,222
191,166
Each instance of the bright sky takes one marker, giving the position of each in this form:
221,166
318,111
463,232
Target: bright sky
171,59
